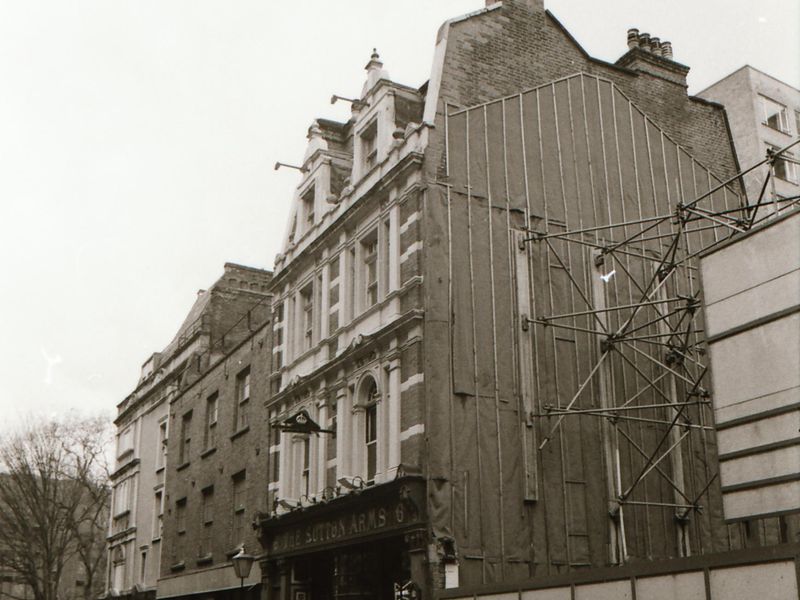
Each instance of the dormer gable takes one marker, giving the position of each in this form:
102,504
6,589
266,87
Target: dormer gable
380,117
326,165
316,142
343,160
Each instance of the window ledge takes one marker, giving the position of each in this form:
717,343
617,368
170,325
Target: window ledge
160,469
208,452
155,540
124,513
124,454
240,433
182,466
205,560
767,125
179,566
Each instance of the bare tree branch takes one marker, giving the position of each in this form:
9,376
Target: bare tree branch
54,499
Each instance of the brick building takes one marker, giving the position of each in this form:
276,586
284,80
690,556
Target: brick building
220,319
764,114
403,298
218,478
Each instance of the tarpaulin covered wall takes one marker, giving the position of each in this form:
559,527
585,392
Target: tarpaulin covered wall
524,493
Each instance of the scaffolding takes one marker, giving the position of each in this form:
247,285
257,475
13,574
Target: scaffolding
639,299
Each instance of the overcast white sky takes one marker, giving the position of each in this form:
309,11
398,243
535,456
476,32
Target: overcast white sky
137,140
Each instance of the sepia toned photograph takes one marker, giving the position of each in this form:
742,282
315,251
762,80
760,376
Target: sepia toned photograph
454,300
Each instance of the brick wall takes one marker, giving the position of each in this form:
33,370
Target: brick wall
245,449
517,47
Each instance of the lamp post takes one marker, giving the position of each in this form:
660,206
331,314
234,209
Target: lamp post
242,563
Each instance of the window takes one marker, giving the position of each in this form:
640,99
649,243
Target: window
238,508
797,122
180,516
274,461
385,252
369,256
186,438
208,522
161,457
308,207
784,169
775,115
210,437
122,496
240,409
125,441
305,476
371,430
369,146
208,505
307,305
158,515
118,561
331,438
351,282
143,567
372,441
277,336
333,296
275,467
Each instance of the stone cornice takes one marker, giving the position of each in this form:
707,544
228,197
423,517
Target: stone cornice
308,382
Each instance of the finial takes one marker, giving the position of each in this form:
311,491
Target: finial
375,73
374,60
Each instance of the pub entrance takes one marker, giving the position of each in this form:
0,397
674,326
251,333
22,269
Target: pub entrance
355,546
360,572
366,571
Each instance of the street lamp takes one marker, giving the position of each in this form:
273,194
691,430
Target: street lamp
242,563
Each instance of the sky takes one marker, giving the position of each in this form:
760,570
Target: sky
137,139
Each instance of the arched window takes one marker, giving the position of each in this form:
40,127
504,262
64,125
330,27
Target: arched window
369,399
119,573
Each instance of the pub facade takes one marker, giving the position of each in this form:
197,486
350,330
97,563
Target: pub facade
347,497
409,444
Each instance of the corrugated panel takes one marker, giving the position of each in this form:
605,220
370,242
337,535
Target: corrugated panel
572,155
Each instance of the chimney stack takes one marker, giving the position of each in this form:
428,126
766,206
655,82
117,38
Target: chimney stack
649,54
648,43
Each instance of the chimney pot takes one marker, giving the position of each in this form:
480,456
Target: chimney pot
655,46
666,49
633,38
644,41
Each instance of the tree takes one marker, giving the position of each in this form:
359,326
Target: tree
54,498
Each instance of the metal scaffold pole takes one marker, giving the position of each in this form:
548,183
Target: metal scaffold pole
659,330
